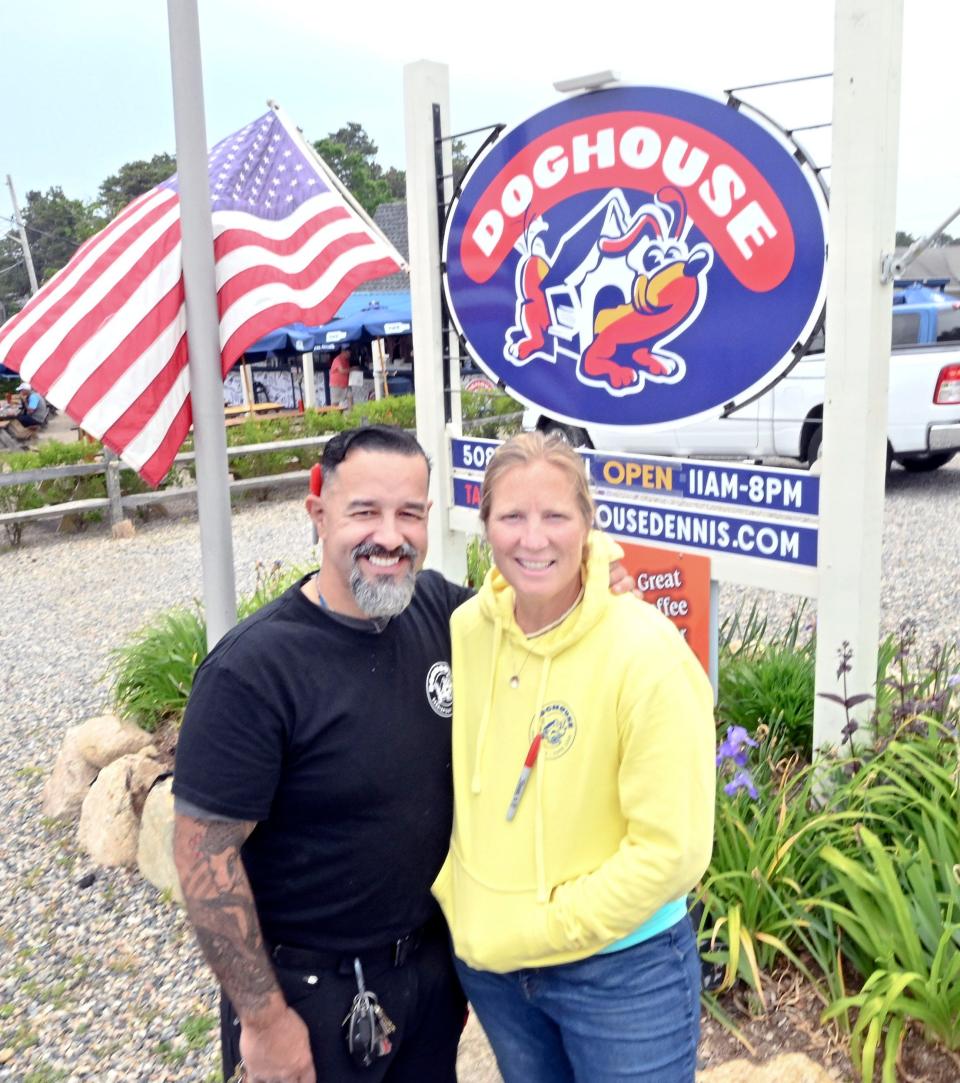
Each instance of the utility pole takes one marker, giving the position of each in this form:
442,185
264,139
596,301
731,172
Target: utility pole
24,243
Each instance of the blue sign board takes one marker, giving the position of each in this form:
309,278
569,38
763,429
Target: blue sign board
637,256
793,543
715,483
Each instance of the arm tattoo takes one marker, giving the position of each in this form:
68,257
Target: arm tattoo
221,908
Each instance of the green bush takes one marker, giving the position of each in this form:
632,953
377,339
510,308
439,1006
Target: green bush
153,673
395,410
891,887
768,680
764,864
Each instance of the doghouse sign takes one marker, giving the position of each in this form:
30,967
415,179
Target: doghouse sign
637,256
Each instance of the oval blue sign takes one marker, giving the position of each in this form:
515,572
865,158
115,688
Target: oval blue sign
637,256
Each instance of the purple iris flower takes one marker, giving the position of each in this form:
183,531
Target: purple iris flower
734,746
742,780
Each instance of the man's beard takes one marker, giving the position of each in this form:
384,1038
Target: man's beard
383,595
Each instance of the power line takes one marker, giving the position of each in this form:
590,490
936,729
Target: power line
43,232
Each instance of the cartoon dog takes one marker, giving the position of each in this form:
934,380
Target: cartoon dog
654,286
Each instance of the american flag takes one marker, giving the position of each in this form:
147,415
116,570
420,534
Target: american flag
105,339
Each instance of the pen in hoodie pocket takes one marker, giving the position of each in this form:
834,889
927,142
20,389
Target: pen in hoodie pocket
528,765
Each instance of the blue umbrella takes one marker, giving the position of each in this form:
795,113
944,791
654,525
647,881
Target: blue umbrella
294,338
383,314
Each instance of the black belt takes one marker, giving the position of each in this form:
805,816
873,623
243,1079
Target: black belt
394,954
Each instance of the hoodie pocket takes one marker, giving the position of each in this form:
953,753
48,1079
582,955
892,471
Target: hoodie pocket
493,927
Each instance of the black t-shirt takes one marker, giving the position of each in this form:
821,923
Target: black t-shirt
336,740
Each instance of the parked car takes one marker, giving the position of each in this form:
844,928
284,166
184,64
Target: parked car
923,423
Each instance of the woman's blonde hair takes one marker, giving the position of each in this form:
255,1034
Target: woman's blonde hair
531,447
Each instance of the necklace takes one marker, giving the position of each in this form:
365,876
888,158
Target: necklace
514,681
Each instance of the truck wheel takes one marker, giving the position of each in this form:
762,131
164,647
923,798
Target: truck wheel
815,449
573,435
814,446
927,463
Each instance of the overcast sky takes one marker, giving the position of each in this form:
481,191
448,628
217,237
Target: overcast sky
86,87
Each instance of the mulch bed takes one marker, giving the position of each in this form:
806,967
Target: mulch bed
792,1024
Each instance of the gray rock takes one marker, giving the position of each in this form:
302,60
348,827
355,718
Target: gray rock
104,739
155,846
108,824
70,780
786,1068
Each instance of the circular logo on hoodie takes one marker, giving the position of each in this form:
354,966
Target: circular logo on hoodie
558,728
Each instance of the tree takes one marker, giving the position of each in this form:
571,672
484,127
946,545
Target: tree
55,226
904,240
132,180
351,154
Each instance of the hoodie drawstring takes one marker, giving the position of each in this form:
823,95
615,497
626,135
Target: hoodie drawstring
488,706
539,845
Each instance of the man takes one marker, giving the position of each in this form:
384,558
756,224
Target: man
340,378
314,791
33,407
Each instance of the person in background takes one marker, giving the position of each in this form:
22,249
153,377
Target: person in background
583,762
340,378
33,407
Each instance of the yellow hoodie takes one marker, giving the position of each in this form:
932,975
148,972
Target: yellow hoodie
617,818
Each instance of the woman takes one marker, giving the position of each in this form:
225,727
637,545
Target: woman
583,786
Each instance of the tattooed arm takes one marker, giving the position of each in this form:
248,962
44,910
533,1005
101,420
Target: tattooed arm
273,1038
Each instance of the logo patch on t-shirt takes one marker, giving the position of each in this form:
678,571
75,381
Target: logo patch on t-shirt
558,728
440,689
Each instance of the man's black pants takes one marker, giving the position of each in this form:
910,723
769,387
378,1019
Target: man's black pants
422,996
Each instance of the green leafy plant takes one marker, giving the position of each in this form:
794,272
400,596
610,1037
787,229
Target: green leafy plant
153,673
768,680
898,914
479,559
910,688
392,410
767,835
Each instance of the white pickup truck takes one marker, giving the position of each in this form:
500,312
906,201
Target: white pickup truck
923,427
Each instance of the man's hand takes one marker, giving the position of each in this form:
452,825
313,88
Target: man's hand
276,1049
621,581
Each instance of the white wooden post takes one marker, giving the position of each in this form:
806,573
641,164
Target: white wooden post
866,108
309,386
246,384
379,368
426,84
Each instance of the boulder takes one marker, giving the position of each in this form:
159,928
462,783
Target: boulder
104,739
787,1068
149,766
108,823
155,848
70,780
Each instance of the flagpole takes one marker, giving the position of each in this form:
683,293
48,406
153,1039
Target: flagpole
203,324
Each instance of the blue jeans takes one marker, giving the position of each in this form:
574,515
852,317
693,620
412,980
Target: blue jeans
630,1015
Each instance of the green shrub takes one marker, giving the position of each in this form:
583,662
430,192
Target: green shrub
764,864
479,559
153,674
893,892
394,410
768,681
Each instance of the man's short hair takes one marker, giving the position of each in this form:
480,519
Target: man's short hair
387,438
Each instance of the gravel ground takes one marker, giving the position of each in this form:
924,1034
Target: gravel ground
104,983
